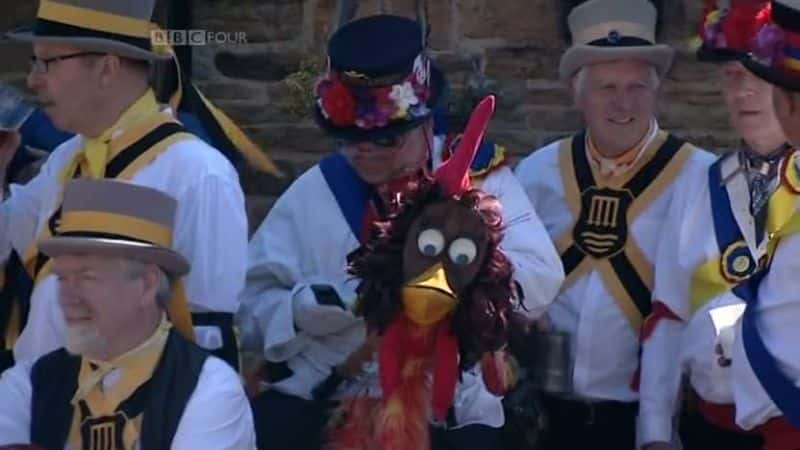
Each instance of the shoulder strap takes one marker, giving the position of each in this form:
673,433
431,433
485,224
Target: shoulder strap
119,165
54,380
15,292
173,383
655,166
583,171
352,194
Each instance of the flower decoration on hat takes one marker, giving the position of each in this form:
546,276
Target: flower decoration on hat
728,28
770,47
349,99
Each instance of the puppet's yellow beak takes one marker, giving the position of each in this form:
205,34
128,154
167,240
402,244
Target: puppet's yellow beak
428,298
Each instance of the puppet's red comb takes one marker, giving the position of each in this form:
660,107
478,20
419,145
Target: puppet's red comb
453,175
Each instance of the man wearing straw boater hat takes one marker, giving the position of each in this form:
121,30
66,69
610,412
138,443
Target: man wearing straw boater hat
90,72
377,98
603,194
125,378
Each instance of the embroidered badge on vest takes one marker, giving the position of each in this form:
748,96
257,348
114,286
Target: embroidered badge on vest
736,262
103,433
602,228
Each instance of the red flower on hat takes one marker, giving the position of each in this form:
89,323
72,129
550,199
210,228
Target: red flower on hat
337,102
743,22
734,27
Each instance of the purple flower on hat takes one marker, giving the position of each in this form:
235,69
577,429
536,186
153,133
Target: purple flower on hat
768,45
404,97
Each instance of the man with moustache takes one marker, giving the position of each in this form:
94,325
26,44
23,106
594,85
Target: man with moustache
90,71
126,379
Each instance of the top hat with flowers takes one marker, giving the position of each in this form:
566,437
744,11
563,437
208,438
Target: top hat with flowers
728,28
775,52
379,82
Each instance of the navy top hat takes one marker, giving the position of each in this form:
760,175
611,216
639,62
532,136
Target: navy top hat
379,81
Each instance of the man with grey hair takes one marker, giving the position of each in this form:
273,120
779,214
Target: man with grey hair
126,378
90,72
602,195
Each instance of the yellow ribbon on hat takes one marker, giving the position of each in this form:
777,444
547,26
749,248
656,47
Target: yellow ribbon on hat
92,160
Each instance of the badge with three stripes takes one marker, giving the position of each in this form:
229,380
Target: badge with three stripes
602,228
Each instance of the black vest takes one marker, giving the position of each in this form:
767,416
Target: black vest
161,400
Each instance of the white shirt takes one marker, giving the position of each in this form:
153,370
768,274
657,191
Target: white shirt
689,242
604,347
217,415
210,231
305,240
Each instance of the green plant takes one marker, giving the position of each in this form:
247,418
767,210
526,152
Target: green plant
300,87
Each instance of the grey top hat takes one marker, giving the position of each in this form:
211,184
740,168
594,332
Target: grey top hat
116,218
120,27
610,30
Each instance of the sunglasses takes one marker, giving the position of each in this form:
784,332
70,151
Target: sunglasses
387,142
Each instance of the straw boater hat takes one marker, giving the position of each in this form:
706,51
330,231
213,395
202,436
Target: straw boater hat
120,27
379,82
775,54
610,30
116,218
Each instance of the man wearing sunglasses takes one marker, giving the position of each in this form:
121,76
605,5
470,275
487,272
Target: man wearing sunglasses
90,72
377,99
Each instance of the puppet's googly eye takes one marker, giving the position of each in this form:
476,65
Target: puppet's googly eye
463,251
430,242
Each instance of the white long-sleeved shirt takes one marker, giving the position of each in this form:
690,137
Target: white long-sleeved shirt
305,240
690,242
604,347
210,231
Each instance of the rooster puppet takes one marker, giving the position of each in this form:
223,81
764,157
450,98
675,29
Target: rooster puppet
437,289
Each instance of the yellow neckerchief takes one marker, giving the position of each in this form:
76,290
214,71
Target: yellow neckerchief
616,166
137,121
135,368
783,219
97,151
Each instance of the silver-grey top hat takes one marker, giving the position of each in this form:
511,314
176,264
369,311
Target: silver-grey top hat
120,27
610,30
116,218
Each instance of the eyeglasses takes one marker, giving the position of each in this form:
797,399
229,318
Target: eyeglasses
42,65
387,142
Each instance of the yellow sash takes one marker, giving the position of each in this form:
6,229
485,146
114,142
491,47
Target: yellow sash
783,219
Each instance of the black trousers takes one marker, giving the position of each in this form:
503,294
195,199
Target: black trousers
574,425
470,437
698,434
286,422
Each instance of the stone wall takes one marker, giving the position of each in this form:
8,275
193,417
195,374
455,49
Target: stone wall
510,47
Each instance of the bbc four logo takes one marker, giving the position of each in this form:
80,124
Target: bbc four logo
178,38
